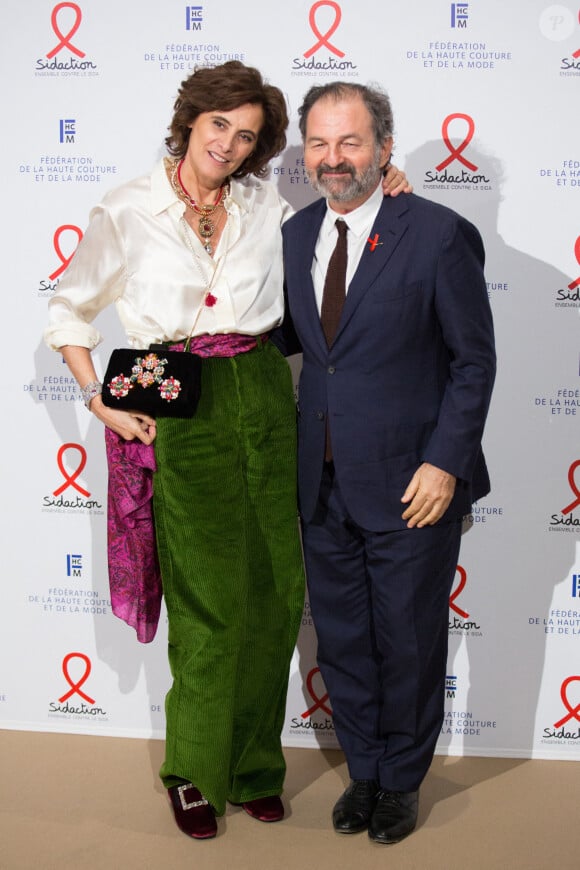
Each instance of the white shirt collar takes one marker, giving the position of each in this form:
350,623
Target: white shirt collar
163,196
360,219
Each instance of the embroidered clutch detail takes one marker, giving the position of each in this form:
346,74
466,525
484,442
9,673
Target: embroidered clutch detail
157,381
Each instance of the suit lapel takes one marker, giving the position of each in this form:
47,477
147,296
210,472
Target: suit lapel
388,229
302,263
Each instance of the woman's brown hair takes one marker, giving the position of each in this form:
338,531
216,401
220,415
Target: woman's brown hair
223,88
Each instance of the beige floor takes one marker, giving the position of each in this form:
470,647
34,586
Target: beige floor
95,803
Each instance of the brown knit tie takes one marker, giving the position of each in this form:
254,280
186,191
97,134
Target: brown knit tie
333,297
334,291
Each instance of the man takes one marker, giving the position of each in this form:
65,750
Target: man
394,392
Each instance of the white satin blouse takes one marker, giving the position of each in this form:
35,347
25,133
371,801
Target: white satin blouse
135,254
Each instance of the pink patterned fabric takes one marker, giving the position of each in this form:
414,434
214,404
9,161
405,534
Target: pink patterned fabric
221,345
134,576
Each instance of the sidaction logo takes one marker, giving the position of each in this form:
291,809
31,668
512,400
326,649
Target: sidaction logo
568,727
569,297
67,703
72,62
458,625
47,286
64,260
50,285
333,58
574,285
565,521
58,499
320,699
446,173
558,23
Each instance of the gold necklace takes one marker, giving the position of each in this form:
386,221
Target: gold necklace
206,225
207,242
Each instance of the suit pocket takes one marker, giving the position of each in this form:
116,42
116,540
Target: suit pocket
385,295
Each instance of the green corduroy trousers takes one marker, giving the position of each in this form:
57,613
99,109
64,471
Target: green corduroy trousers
231,563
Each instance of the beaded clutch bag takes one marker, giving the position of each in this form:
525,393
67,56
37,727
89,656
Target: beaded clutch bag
157,381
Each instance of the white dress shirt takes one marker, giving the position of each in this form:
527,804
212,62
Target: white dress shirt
360,222
135,254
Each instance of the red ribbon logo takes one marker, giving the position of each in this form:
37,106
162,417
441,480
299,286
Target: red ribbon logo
56,242
462,581
456,152
323,38
576,283
75,688
577,53
66,37
573,713
69,479
319,701
573,487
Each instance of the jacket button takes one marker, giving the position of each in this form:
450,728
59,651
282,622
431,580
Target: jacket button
331,370
320,415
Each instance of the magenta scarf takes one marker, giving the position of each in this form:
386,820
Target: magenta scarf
134,576
230,344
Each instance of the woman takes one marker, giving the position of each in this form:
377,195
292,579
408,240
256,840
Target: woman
195,248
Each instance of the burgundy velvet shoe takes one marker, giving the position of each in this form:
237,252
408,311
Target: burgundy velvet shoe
193,814
265,809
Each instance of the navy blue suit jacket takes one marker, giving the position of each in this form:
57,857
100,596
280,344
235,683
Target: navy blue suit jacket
410,373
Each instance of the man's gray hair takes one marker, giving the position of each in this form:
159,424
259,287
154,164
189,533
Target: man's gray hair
374,98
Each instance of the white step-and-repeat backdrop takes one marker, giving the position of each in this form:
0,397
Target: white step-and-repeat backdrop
486,100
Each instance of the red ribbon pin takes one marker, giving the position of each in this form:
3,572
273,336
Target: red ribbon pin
374,242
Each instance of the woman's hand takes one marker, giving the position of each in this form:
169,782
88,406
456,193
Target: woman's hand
395,181
128,424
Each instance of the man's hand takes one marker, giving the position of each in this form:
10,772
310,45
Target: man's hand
427,496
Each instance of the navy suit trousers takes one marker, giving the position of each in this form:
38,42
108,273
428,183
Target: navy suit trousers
380,604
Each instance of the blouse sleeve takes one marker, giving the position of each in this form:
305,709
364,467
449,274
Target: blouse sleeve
287,210
94,278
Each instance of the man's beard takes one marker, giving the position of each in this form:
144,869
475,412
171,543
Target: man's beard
360,185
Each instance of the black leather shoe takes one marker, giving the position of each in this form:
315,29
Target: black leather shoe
394,816
354,808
